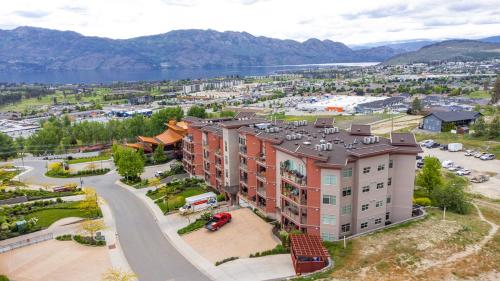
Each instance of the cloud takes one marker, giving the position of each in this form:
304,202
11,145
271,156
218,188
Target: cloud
445,21
382,12
75,9
182,3
464,6
305,21
31,14
250,2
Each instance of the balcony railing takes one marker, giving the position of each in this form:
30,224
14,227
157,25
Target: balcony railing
243,149
261,191
243,166
261,176
218,153
295,216
188,139
293,176
294,196
261,159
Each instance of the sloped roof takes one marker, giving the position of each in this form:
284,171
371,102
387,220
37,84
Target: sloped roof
147,139
450,116
169,137
306,245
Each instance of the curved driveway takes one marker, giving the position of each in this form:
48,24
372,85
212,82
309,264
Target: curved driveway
147,250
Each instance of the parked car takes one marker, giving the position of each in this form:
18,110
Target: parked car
444,147
487,156
478,154
434,145
424,142
463,172
218,221
158,174
469,152
454,168
479,179
420,163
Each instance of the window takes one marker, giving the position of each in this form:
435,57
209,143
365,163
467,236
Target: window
227,173
381,167
225,146
389,181
347,173
378,221
379,204
346,228
346,191
225,160
346,209
329,219
388,200
364,207
391,163
329,199
364,225
325,236
380,185
330,180
366,170
365,188
387,215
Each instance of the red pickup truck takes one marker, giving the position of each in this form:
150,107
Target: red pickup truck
217,221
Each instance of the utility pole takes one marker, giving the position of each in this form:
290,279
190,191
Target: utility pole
444,213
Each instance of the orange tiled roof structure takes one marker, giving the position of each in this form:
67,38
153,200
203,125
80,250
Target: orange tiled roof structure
172,135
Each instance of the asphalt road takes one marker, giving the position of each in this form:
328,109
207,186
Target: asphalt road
147,250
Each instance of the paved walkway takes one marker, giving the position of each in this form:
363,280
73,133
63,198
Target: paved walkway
281,267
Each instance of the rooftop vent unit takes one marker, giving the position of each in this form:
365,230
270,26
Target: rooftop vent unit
307,142
296,123
336,129
299,136
268,130
329,146
322,141
355,141
317,147
288,137
377,139
366,140
323,146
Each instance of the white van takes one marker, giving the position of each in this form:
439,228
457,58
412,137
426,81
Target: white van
453,147
199,202
447,164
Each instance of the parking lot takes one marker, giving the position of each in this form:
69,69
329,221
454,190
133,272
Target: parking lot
246,234
491,188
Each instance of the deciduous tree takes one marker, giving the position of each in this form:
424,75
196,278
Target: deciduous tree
115,274
430,176
92,226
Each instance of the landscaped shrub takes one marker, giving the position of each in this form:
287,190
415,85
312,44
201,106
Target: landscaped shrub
85,240
4,278
199,223
65,237
279,249
422,201
221,198
226,260
60,173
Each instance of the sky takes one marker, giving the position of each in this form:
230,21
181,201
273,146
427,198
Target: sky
352,22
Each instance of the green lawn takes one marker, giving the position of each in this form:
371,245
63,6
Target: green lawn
480,95
178,200
89,159
49,216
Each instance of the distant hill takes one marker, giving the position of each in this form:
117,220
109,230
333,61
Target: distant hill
492,39
451,50
38,49
402,46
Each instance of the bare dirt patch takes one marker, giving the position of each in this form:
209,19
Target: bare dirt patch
56,261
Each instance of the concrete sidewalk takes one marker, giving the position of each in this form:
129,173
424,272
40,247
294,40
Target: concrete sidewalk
269,267
116,255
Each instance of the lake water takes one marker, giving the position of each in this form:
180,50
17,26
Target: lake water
109,76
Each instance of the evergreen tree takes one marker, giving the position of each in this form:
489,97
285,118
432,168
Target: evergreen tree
495,96
7,147
197,111
159,155
479,127
416,106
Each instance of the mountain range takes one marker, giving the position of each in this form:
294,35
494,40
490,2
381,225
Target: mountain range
38,49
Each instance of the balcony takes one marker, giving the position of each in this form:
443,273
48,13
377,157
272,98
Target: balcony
243,149
261,176
293,176
294,194
218,153
261,159
243,166
294,215
188,139
261,191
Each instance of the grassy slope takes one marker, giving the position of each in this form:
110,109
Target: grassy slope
89,159
47,217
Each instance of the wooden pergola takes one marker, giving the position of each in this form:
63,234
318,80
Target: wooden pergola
308,253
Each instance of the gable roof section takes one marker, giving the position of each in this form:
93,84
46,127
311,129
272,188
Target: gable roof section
451,116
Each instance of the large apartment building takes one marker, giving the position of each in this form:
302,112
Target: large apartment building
310,176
